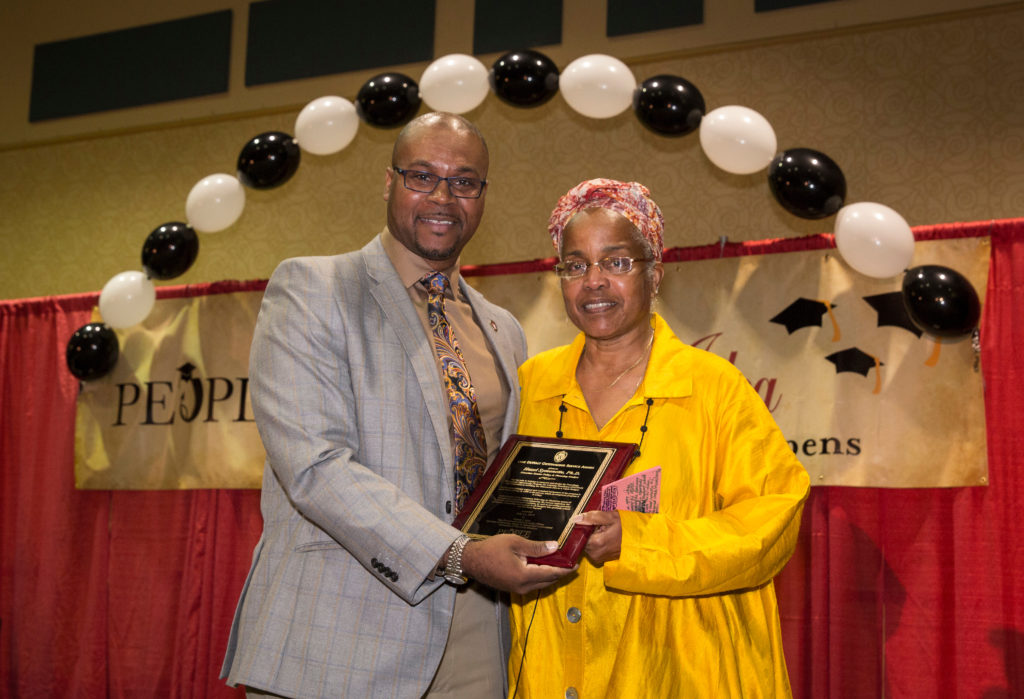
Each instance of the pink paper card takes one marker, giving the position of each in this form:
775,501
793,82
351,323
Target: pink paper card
640,492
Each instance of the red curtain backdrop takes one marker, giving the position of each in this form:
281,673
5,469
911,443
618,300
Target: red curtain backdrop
123,594
899,593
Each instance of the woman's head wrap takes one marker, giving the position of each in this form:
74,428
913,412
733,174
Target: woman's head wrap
631,199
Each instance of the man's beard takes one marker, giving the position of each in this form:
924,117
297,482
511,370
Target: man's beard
436,255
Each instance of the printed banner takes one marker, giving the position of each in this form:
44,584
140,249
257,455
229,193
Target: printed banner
863,398
175,412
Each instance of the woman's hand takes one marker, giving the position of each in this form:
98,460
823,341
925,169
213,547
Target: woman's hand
605,543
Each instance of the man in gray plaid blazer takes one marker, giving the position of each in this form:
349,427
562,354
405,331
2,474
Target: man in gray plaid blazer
347,594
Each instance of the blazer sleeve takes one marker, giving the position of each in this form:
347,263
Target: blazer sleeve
312,423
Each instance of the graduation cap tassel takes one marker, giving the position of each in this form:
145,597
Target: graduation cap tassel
835,323
933,359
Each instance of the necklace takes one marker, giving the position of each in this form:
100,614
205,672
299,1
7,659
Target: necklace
634,364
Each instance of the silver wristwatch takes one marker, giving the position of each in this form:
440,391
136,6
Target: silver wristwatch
453,566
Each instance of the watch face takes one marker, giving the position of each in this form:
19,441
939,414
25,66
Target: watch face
455,579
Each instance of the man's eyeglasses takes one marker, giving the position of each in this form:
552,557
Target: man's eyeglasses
426,182
574,269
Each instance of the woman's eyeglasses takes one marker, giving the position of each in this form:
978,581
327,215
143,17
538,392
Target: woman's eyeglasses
574,269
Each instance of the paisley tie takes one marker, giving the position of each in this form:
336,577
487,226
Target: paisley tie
468,431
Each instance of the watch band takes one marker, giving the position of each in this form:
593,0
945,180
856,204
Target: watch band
453,566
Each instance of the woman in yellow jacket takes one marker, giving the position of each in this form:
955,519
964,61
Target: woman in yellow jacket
677,603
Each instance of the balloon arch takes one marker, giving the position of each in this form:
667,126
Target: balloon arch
872,238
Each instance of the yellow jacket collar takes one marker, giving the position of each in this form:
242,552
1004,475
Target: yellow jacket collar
667,375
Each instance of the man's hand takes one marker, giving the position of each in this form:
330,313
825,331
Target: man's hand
605,543
500,562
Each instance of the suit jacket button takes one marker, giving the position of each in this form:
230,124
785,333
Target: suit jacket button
448,507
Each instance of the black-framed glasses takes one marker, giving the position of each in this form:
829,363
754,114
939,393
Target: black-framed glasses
574,269
459,185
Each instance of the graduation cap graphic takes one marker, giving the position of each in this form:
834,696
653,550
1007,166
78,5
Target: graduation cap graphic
856,360
892,311
186,370
804,313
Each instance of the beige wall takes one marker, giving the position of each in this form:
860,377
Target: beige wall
924,114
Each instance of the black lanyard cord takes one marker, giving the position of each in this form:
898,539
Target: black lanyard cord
643,428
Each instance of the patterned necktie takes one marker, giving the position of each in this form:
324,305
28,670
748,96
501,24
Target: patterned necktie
467,429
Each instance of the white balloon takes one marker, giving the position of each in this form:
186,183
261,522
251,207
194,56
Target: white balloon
326,125
215,202
597,86
737,139
455,83
874,239
127,299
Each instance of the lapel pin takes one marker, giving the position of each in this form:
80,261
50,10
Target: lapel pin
494,326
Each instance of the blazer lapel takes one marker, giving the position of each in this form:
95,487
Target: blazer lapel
394,303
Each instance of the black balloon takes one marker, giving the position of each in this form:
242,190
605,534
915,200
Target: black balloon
940,301
524,78
669,105
170,250
92,351
807,183
388,99
268,160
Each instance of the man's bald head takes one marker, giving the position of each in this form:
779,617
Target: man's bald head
437,120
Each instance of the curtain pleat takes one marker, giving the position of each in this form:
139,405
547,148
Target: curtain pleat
53,539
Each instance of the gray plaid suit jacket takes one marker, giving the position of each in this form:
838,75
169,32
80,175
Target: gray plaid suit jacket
347,398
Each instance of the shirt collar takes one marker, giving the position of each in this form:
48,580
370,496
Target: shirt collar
410,266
